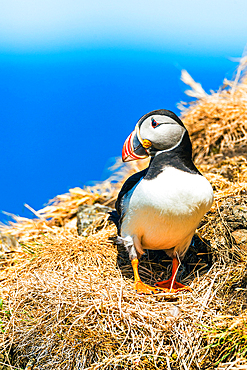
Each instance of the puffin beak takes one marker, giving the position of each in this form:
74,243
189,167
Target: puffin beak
133,149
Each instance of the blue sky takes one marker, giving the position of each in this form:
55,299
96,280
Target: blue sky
156,24
76,76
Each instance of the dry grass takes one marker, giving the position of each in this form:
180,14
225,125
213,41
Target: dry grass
68,306
217,123
61,210
68,301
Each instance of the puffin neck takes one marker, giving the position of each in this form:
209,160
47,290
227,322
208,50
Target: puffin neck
179,157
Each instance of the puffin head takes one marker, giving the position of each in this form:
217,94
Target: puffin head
159,130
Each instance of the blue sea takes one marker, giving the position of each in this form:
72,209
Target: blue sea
65,115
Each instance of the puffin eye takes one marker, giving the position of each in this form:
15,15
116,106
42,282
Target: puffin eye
154,123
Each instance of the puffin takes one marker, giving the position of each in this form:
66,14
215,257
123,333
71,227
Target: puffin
160,207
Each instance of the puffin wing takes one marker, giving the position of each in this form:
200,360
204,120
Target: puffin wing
116,216
127,186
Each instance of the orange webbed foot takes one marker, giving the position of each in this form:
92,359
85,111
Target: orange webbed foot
142,288
168,287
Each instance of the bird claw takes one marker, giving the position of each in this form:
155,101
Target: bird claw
176,286
142,288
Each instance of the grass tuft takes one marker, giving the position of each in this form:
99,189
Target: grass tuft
67,301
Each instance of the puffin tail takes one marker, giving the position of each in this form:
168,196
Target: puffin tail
114,217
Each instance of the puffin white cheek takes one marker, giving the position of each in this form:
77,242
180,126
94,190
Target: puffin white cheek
168,136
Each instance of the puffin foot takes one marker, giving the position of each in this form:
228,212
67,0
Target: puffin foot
168,287
142,288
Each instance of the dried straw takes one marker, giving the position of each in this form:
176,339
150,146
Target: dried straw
217,123
68,301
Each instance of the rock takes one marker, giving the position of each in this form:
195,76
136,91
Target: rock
173,312
234,212
8,243
240,237
91,218
228,228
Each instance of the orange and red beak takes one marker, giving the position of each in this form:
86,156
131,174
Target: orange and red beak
133,149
